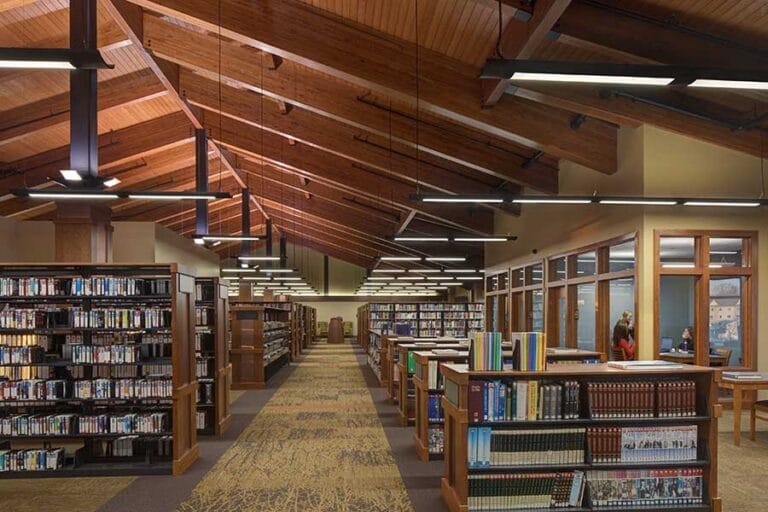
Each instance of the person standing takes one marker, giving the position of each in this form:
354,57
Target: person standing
623,335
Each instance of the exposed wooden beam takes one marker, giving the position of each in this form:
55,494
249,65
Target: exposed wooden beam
130,19
7,5
129,89
387,65
321,247
319,165
520,39
353,105
115,148
407,220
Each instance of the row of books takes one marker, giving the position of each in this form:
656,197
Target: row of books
646,488
500,492
485,352
572,362
488,447
110,354
22,318
58,389
31,460
204,367
520,400
21,355
118,338
201,420
205,392
79,286
434,409
642,399
24,340
643,444
435,439
204,291
25,425
530,351
204,316
134,445
121,318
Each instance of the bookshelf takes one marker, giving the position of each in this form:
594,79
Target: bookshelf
597,405
297,331
404,371
426,319
261,342
100,378
374,353
214,371
363,325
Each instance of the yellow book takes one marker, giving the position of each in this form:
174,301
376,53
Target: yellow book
533,399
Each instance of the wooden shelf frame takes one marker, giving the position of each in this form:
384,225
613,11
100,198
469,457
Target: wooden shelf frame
454,484
181,301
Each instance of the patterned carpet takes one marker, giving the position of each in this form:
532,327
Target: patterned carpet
317,445
61,494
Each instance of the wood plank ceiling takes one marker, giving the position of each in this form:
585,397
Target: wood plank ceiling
333,116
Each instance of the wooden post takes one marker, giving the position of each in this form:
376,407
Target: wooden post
83,233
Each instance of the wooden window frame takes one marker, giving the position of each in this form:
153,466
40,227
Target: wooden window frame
702,274
520,295
601,279
503,295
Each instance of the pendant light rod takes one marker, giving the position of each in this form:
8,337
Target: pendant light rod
201,180
593,199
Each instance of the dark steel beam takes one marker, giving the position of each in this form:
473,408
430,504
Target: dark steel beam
246,221
83,123
201,180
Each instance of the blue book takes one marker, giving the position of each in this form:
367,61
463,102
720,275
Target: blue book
485,401
502,401
472,447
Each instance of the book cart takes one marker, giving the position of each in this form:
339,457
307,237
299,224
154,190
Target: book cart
405,368
428,382
599,410
214,371
97,370
261,342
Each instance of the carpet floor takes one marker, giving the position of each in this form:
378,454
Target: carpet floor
317,445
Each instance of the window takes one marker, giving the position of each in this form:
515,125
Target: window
621,256
537,310
585,316
707,280
527,298
497,318
589,290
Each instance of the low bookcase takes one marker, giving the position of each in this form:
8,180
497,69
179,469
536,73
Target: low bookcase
214,371
605,428
97,370
261,342
405,369
374,351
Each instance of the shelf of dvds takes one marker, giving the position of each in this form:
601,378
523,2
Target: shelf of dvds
262,339
214,371
97,355
581,436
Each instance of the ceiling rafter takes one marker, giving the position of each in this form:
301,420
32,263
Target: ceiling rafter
387,65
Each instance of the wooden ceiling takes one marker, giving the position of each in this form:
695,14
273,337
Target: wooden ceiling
334,112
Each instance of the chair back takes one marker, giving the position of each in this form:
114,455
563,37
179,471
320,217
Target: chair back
726,353
618,354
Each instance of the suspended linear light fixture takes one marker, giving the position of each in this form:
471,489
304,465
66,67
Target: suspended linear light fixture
94,193
51,58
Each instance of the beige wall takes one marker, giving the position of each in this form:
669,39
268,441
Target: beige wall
328,310
27,241
651,162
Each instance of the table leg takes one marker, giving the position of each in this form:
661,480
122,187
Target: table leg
736,415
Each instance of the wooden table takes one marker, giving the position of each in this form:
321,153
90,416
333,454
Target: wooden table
738,386
690,358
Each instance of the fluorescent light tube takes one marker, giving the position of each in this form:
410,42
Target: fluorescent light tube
430,278
400,258
449,199
244,265
678,265
421,239
71,175
259,258
590,79
276,270
724,253
111,182
198,241
169,197
446,258
722,203
388,271
238,270
715,265
73,195
291,278
410,278
425,270
481,239
36,64
257,278
471,278
230,238
729,84
381,278
551,201
460,271
645,202
450,283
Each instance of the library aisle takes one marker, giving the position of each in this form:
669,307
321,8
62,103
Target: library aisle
317,445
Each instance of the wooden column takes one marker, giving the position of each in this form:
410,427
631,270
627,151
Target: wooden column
83,233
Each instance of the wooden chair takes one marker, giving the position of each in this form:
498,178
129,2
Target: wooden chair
618,354
759,407
726,354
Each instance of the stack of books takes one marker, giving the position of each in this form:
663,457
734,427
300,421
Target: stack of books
525,491
530,351
485,352
522,400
